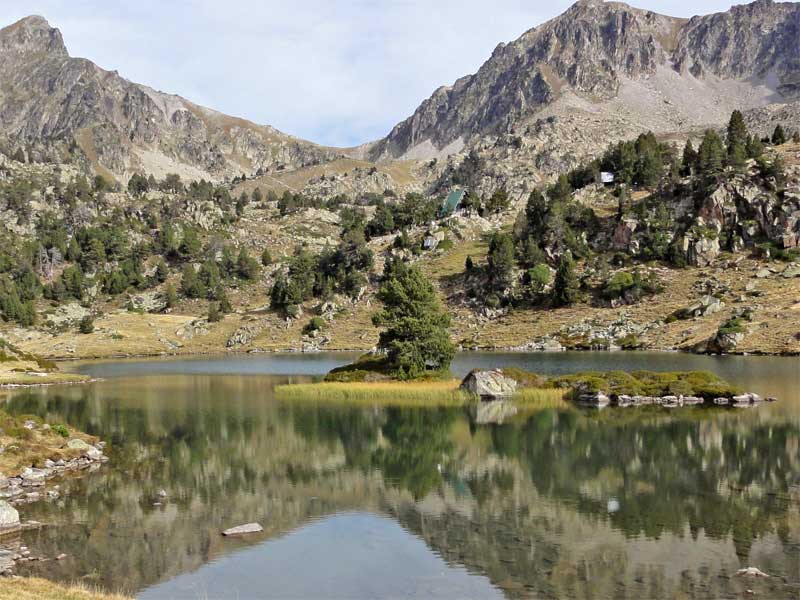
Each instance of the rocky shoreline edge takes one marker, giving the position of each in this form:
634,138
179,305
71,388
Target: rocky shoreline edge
33,485
601,400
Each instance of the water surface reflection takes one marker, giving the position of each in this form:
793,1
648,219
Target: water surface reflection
554,503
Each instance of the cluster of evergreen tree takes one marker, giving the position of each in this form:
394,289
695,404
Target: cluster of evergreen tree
341,269
390,217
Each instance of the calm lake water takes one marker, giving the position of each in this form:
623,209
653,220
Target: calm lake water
388,502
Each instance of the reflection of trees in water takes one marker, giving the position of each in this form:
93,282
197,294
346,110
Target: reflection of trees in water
418,441
226,455
718,476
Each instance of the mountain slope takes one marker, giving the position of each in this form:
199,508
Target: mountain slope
630,66
53,104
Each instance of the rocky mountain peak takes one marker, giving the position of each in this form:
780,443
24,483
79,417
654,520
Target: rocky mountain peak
597,52
63,108
32,35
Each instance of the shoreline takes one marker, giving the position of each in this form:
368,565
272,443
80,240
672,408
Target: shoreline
488,349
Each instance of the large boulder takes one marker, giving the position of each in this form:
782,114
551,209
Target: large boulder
489,384
9,517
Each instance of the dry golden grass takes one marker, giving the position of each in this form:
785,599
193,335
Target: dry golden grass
416,393
538,398
29,588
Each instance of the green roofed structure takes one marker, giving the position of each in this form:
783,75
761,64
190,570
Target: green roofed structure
452,202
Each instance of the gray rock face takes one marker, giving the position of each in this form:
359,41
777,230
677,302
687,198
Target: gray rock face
489,384
50,99
9,517
592,50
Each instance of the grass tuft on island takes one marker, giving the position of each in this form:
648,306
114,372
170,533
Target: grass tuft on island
401,393
32,588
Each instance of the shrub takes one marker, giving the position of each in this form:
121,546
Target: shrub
618,284
315,324
86,325
731,326
61,430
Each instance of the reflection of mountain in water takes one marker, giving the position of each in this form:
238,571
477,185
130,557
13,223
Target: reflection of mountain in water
526,503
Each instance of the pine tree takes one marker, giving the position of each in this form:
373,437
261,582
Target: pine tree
561,191
755,148
86,325
224,303
170,296
565,285
778,136
191,285
415,334
737,140
246,266
214,313
500,261
161,272
689,159
710,155
536,214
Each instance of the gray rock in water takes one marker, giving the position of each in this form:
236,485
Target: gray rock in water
593,399
243,529
9,517
489,384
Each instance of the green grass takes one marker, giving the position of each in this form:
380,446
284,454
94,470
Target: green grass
649,383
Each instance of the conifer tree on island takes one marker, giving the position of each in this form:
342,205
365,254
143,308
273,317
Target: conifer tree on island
415,337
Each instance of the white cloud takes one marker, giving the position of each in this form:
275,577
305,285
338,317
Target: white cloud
338,73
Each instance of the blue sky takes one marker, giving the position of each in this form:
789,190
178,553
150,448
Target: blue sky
336,72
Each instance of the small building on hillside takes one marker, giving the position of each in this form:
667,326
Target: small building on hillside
453,202
607,178
432,240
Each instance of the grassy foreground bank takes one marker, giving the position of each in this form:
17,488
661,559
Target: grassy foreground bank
30,588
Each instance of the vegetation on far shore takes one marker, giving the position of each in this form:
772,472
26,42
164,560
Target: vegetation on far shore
23,368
